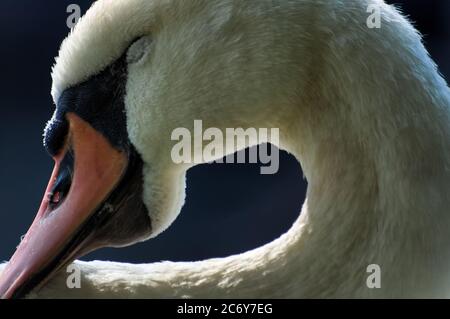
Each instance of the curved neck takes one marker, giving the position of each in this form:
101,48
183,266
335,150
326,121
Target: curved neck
360,210
373,140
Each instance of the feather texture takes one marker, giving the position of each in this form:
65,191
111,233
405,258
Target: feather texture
364,110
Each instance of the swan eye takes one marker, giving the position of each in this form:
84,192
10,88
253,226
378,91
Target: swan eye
138,49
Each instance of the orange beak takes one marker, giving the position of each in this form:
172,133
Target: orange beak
51,241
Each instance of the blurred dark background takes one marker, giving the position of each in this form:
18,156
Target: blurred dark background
230,208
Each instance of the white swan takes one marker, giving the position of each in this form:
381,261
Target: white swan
364,111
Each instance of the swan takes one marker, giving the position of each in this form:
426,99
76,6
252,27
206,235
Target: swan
364,110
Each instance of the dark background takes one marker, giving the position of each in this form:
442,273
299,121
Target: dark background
230,208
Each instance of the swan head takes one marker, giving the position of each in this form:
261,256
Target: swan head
108,186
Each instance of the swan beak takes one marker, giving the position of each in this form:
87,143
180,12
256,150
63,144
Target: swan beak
89,169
